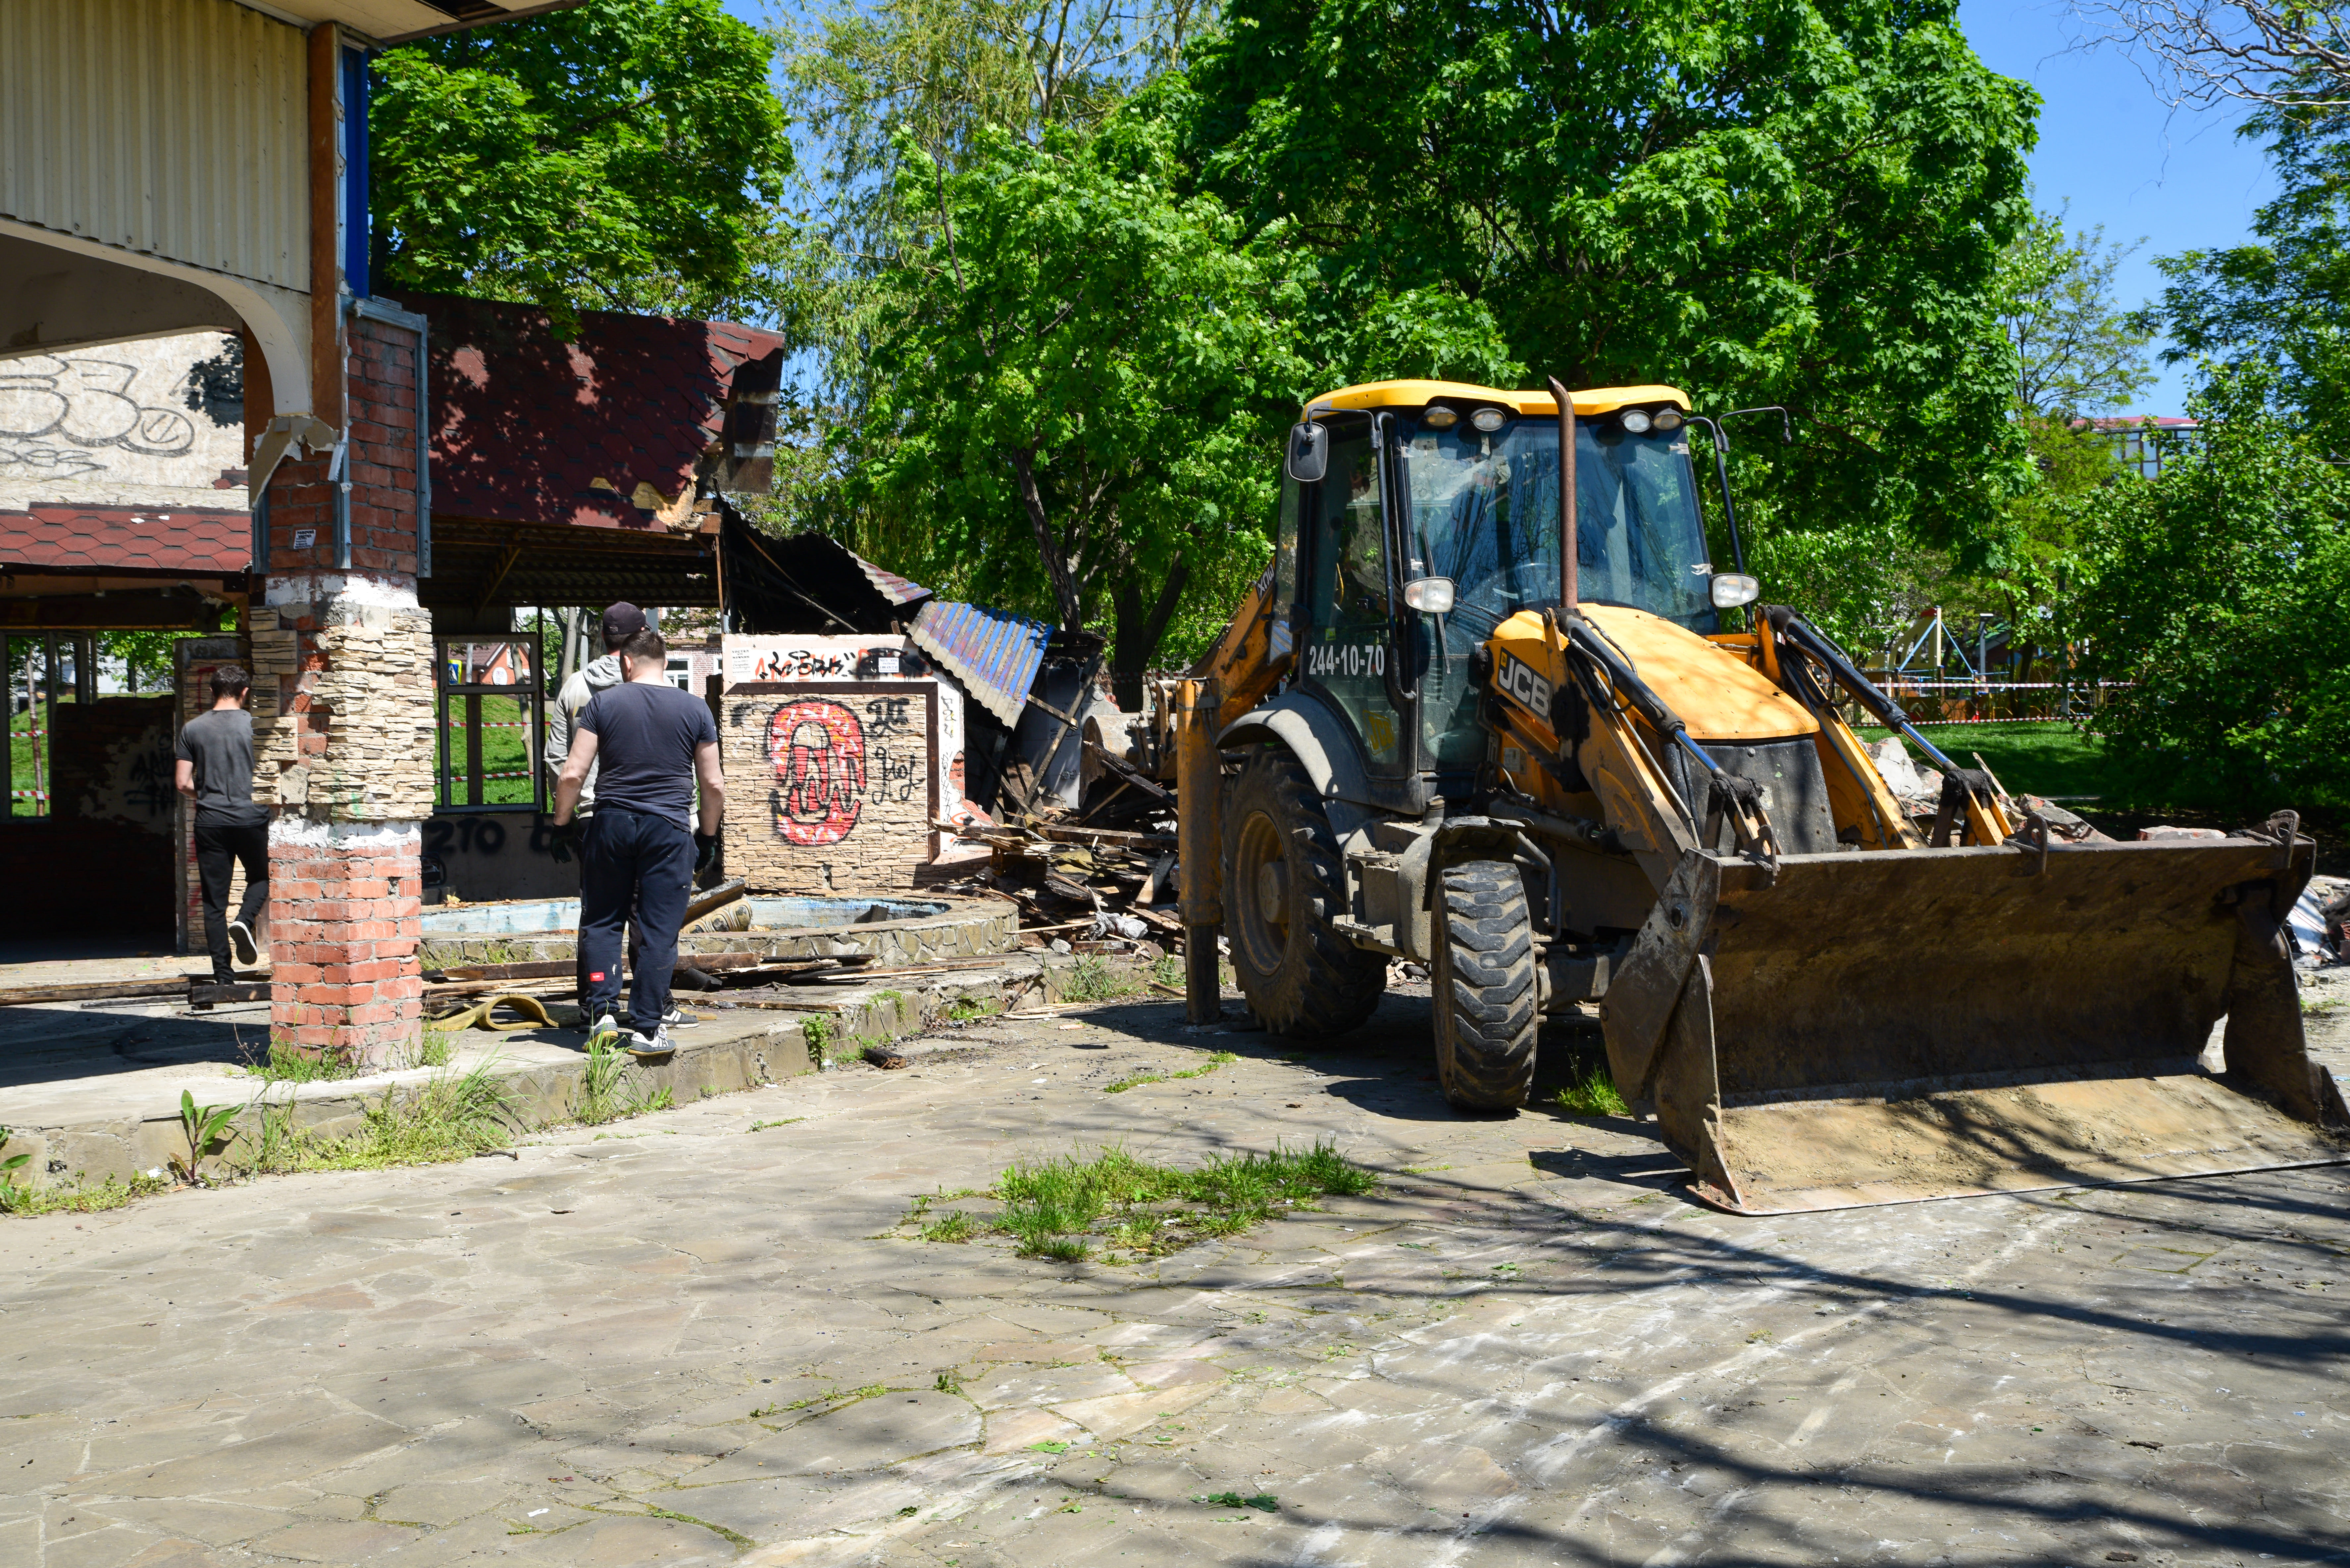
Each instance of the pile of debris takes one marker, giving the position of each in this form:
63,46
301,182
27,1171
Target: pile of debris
1094,889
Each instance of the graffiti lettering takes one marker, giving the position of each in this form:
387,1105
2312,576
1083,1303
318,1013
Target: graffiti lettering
799,664
53,409
468,836
152,788
896,774
888,716
817,749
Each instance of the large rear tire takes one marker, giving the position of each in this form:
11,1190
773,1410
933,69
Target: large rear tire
1283,883
1487,1015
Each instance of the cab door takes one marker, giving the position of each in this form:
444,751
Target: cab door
1347,620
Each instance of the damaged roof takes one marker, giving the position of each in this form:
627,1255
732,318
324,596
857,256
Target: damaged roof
608,429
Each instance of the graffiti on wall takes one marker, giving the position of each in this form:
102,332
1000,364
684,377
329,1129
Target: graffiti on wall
817,747
829,760
57,415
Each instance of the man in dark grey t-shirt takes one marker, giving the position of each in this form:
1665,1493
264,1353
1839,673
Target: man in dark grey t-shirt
216,772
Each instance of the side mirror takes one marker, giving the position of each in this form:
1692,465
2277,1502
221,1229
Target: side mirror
1731,589
1430,595
1309,453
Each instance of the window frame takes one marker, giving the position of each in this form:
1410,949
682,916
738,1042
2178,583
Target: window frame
449,777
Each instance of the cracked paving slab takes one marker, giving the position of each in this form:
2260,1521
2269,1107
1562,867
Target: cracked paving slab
684,1341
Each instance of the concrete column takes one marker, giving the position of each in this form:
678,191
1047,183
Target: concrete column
343,657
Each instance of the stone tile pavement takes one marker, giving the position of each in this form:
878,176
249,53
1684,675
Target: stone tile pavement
694,1338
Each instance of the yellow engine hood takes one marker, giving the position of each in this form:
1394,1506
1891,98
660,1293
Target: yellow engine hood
1717,693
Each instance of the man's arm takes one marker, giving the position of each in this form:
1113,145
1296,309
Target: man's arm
574,774
707,774
183,776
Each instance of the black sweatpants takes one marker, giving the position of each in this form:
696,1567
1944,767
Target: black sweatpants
633,859
218,849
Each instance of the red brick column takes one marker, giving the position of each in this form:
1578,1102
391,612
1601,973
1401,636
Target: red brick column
345,732
345,901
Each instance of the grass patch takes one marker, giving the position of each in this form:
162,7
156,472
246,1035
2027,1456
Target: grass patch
81,1197
953,1226
435,1048
2050,758
1062,1208
292,1065
1092,980
1167,971
1215,1060
783,1122
607,1093
453,1115
963,1009
1592,1094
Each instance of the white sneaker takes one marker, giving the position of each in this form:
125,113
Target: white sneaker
241,943
657,1043
679,1018
606,1031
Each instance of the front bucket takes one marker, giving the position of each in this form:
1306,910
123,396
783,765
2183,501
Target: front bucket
1895,1026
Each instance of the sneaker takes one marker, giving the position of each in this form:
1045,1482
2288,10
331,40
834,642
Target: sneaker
679,1018
606,1032
657,1043
241,943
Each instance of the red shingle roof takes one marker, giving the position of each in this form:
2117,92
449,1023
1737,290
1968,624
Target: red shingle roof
524,424
127,539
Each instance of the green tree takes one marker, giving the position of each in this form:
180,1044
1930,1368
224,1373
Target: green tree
1797,203
2220,591
624,155
2282,301
1079,396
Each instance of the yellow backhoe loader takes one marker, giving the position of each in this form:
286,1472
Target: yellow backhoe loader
1553,777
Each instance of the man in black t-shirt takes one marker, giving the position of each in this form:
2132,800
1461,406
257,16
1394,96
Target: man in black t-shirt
215,771
650,743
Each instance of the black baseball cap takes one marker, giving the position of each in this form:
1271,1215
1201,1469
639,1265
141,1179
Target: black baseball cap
621,622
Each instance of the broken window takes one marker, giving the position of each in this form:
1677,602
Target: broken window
492,709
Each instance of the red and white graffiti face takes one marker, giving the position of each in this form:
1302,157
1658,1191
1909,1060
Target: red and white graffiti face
818,749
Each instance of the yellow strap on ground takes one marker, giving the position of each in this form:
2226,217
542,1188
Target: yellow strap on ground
478,1016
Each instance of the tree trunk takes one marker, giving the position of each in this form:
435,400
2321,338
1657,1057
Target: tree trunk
1136,631
1048,547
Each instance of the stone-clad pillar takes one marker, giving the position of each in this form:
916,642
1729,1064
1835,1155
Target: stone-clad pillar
344,712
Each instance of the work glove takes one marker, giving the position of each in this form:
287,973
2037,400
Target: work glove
563,839
705,852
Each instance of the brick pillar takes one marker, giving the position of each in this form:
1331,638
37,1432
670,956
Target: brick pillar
343,716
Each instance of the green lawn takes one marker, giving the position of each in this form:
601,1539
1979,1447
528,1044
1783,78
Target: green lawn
505,750
2045,759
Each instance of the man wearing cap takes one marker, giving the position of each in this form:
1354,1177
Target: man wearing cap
648,744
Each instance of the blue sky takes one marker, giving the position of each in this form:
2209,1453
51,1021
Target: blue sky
2181,179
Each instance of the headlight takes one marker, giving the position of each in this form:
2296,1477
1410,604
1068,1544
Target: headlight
1430,595
1636,420
1731,589
1668,419
1440,419
1488,421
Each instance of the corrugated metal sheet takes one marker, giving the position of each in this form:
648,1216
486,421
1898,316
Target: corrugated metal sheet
176,127
994,653
893,587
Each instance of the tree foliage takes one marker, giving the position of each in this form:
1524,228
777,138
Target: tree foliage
625,155
2222,591
2282,301
1797,203
2078,351
1078,394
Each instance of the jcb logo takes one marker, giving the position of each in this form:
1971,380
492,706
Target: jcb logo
1517,678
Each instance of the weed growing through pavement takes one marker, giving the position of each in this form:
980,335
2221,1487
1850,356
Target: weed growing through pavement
1264,1501
963,1009
607,1093
450,1116
783,1122
1167,971
291,1065
957,1226
81,1198
1593,1094
432,1050
203,1126
1215,1060
818,1032
1092,980
1060,1209
948,1382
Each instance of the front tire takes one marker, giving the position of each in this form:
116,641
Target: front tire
1487,1015
1283,883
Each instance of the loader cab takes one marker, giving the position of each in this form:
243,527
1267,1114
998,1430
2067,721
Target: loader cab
1439,480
